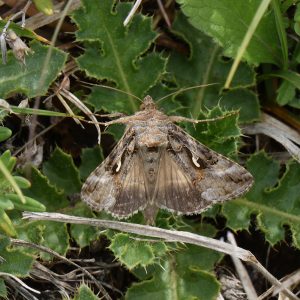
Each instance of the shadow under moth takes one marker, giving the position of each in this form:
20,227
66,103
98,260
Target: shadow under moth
156,164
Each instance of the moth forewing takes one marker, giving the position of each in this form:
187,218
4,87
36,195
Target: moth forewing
156,164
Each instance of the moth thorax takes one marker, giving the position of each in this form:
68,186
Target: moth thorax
148,104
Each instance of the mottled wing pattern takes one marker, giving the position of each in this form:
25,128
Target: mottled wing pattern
119,190
99,190
131,193
176,190
194,177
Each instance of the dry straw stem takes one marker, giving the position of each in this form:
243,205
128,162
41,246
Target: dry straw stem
166,235
17,15
40,19
132,12
242,272
250,32
287,282
72,98
277,130
22,243
18,281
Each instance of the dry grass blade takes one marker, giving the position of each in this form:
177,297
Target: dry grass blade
242,272
41,272
22,243
40,19
288,282
68,109
166,235
164,13
277,130
144,230
19,285
72,98
132,12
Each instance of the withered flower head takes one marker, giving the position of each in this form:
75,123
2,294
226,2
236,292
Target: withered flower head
18,47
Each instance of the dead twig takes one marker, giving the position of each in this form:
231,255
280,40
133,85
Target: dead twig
283,134
243,275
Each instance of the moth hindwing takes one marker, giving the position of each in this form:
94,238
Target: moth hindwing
156,164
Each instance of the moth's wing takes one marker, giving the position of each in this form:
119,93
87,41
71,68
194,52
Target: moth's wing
196,177
99,189
131,193
175,188
118,189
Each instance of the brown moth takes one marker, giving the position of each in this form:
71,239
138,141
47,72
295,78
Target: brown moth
156,164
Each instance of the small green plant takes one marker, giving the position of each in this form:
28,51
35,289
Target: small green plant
146,57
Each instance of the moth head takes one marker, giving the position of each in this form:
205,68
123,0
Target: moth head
148,104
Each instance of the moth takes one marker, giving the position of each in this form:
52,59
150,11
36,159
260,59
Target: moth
156,164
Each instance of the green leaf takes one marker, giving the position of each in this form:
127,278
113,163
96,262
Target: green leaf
204,66
25,79
90,159
25,32
8,161
6,224
56,237
297,19
45,6
180,274
3,289
279,19
5,203
221,135
29,205
5,133
85,293
227,21
117,53
16,261
45,193
286,93
275,201
245,101
7,181
172,280
132,252
287,90
62,172
31,231
82,234
22,182
288,75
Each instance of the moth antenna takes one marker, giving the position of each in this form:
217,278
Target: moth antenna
184,90
226,115
111,88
